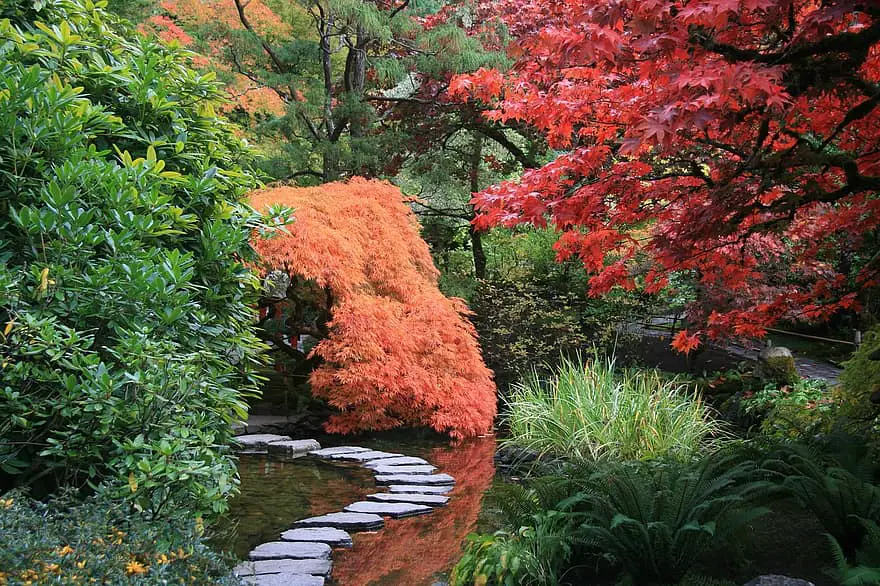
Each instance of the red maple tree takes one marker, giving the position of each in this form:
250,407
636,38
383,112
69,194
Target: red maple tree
397,352
734,141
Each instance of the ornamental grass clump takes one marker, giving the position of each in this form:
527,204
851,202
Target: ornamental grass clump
588,410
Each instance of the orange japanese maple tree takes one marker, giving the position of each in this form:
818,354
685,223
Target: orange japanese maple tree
397,353
734,141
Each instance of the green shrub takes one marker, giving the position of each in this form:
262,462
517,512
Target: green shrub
588,411
652,521
801,410
838,492
124,298
864,568
100,542
859,380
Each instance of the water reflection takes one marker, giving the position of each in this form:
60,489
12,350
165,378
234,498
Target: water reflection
418,550
407,552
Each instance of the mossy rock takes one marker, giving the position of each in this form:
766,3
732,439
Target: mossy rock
776,365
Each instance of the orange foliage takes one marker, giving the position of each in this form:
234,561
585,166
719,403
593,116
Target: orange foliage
412,551
253,99
166,29
399,353
200,12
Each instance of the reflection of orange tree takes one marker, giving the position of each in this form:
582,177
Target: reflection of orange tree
411,551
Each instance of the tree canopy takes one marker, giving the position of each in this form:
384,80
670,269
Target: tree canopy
396,352
737,142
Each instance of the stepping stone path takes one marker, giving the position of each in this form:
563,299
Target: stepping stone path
432,500
302,556
393,510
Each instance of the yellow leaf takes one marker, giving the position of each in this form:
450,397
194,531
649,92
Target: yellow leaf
132,482
8,328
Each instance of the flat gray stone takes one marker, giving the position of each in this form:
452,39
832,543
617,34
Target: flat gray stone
432,500
421,469
257,568
420,479
364,456
401,461
329,535
284,580
327,452
293,447
259,441
393,510
290,550
778,580
419,489
347,521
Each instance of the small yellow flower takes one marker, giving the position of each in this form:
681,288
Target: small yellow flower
81,564
135,567
6,503
62,551
162,559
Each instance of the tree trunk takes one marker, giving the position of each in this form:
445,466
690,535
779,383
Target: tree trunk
476,237
356,75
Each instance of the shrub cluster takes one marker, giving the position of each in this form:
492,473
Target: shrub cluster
125,329
100,541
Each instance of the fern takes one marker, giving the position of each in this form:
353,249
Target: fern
867,558
656,521
840,498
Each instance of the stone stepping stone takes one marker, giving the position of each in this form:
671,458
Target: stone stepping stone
420,479
284,580
432,500
259,441
293,448
401,461
348,521
419,489
421,469
290,550
393,510
257,568
329,535
327,452
364,456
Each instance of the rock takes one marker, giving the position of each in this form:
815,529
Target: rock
401,461
275,285
776,365
292,550
293,448
314,567
327,452
284,580
432,500
419,489
421,479
393,510
259,441
420,469
347,521
514,455
364,456
329,535
777,580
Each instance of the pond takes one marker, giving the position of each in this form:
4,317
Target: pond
416,551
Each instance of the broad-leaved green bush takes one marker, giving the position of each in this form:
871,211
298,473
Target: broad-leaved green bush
126,339
101,541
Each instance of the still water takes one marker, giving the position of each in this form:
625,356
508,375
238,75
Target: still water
418,551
